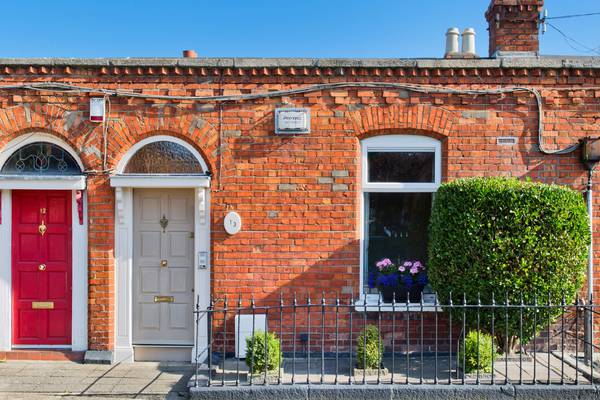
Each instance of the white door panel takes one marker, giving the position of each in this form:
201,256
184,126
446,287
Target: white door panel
163,266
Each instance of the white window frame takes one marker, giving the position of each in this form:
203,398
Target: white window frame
392,143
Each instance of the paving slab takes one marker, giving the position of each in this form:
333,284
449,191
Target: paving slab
71,380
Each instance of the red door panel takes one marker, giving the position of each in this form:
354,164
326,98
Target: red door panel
49,284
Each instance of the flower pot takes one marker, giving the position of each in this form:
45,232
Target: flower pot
414,293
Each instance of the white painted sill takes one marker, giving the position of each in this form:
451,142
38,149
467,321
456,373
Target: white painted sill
371,304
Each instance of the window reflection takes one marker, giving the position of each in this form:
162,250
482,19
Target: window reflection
401,166
396,227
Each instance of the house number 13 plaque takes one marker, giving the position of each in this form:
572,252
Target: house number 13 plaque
232,222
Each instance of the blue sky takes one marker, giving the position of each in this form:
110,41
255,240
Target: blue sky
264,28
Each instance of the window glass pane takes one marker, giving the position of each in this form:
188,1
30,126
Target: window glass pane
163,158
396,228
41,158
401,166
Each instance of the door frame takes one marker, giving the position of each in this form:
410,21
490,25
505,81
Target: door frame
124,185
79,260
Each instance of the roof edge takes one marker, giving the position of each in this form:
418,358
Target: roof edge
244,63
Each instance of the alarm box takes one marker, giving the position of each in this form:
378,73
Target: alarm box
97,109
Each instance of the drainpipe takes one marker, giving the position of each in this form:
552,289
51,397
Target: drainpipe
590,156
591,224
589,317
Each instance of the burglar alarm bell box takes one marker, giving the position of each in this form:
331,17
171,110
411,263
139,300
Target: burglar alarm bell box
97,109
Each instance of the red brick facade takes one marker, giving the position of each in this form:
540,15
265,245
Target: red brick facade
298,196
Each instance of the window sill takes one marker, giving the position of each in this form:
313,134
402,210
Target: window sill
387,307
370,303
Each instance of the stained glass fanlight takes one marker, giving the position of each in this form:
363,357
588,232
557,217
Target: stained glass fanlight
163,157
41,158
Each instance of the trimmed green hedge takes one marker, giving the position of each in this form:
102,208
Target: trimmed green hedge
502,236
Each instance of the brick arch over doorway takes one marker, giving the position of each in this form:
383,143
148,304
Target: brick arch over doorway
191,129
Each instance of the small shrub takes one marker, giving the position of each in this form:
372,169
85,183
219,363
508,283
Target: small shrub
369,348
256,359
484,345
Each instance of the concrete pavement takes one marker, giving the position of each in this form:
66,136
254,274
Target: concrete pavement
57,380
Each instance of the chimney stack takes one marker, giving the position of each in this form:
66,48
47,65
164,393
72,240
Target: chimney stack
514,27
190,54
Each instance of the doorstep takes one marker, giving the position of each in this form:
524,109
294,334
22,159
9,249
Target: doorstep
41,355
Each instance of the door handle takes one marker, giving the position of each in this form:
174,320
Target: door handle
163,263
42,267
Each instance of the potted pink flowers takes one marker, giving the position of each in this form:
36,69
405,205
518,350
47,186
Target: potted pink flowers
401,281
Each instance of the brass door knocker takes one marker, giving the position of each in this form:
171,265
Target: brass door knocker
42,228
163,222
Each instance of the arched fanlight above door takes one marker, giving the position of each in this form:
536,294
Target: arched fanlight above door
163,157
41,158
161,161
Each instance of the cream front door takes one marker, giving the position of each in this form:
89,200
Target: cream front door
163,275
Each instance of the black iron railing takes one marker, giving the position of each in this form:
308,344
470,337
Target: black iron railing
418,343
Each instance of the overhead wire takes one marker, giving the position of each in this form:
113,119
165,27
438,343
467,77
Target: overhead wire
574,16
569,39
105,123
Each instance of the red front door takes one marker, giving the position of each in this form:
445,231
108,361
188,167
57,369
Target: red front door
41,267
